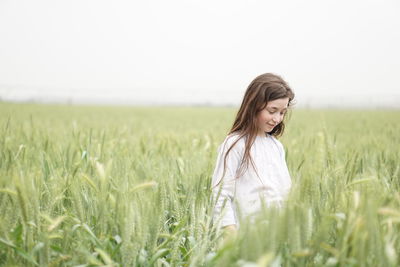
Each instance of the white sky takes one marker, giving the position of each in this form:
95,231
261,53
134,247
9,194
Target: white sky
194,52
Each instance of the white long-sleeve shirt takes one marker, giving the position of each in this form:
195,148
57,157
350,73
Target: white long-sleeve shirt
244,196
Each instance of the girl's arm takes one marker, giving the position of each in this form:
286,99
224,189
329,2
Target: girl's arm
230,229
285,170
224,187
283,157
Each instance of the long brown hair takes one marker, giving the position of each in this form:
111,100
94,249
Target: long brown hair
264,88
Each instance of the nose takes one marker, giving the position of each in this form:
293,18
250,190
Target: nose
276,118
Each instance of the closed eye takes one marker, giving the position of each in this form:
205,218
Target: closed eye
272,112
273,109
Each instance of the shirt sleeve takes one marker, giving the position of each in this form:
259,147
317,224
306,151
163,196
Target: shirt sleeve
223,188
285,168
284,160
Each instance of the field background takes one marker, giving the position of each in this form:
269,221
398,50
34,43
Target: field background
130,186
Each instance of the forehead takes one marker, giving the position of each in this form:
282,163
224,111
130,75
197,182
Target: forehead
278,103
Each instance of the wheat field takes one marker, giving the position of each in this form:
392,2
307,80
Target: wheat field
130,186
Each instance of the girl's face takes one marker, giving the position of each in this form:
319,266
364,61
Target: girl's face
271,115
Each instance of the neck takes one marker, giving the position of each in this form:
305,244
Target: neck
261,134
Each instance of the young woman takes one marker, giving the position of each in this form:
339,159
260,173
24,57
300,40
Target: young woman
251,170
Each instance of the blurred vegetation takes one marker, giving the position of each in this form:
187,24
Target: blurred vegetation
130,186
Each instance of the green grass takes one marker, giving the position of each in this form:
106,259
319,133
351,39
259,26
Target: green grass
124,186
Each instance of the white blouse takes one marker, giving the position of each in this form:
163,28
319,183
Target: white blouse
245,195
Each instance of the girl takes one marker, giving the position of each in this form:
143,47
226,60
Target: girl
251,170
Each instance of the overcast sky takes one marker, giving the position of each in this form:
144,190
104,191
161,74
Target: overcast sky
196,52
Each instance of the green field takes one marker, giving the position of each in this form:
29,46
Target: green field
130,186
